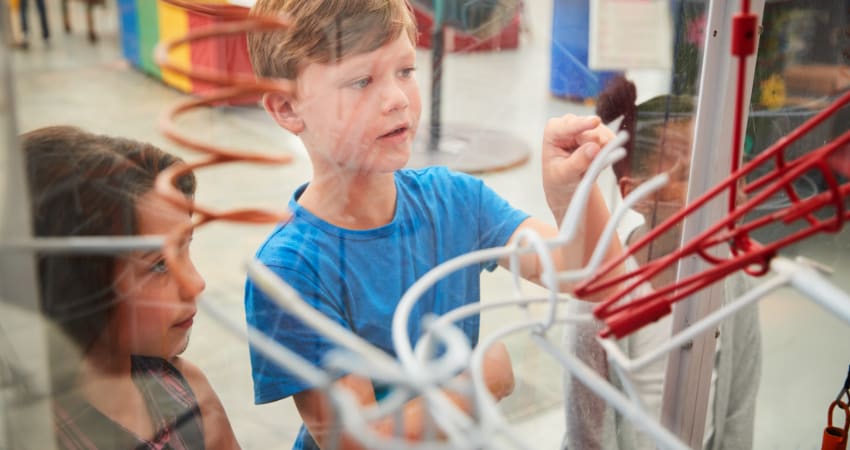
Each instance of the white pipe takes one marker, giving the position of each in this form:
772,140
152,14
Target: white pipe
814,286
708,322
84,244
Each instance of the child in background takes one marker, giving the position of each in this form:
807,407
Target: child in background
118,382
42,18
90,5
364,229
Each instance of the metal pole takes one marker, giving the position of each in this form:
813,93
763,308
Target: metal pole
689,368
438,36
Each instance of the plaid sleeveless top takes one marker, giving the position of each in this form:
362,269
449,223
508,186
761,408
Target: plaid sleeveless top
171,404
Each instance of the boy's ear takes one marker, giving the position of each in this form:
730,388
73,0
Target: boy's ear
279,105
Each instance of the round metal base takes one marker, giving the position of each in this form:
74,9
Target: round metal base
469,149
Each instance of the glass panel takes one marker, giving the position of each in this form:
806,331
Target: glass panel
505,68
508,66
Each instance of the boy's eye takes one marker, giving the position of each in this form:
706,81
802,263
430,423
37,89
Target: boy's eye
159,267
361,83
407,72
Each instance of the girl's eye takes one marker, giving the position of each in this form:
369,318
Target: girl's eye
408,72
159,267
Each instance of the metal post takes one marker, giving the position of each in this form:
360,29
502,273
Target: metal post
459,147
689,368
438,35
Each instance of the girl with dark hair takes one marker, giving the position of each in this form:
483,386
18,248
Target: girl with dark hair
122,319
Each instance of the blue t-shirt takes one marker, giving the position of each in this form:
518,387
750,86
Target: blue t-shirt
357,277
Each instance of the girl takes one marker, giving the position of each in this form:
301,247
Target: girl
120,384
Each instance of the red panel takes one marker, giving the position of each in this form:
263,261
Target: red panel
225,53
459,41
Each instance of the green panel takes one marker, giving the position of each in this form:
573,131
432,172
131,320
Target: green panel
148,35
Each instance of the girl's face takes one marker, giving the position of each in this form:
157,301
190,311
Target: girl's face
153,315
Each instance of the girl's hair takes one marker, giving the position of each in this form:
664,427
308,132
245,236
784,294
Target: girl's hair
325,31
83,184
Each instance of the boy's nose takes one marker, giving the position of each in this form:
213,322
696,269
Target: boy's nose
394,98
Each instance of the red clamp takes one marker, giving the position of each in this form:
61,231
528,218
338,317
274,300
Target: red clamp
744,28
835,438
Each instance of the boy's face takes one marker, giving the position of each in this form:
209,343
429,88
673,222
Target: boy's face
360,114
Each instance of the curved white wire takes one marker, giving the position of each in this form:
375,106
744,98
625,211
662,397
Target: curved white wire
549,274
609,233
612,152
454,423
404,349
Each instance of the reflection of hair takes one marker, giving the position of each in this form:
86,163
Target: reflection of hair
325,31
84,184
618,99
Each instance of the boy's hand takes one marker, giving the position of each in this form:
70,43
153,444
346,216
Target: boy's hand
570,143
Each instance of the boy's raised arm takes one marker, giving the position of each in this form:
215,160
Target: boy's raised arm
569,145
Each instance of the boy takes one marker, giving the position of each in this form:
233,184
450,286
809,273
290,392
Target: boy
363,230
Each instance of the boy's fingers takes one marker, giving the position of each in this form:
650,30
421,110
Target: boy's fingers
600,134
579,160
585,154
564,130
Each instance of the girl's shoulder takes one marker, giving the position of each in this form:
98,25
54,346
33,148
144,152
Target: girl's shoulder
218,430
166,371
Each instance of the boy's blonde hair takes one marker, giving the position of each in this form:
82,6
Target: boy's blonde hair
325,31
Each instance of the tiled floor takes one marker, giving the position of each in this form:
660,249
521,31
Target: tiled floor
805,350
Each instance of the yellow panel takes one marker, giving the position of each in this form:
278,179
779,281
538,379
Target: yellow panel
173,23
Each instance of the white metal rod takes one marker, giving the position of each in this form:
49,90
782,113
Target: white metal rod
710,321
84,244
814,286
603,388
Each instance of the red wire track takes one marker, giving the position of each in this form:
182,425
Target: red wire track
233,20
621,319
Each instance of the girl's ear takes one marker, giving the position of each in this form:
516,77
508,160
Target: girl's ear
279,106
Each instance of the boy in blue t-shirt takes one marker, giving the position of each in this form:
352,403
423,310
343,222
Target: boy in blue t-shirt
363,229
